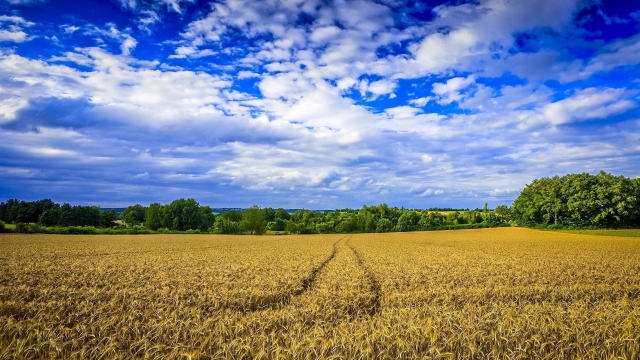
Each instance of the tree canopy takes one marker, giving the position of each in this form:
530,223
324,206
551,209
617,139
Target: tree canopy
579,200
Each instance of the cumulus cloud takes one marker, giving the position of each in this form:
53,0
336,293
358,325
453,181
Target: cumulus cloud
469,35
325,103
152,11
619,53
12,29
587,104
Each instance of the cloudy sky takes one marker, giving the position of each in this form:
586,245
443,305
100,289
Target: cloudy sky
313,103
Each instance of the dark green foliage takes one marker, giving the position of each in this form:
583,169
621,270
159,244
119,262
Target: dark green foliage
50,217
207,218
232,215
254,221
282,214
269,214
579,201
503,212
186,215
384,225
65,215
134,215
15,211
154,217
277,225
183,215
225,226
108,218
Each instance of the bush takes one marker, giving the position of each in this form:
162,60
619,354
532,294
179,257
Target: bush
384,225
22,228
3,228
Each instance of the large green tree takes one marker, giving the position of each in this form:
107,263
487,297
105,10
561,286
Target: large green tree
154,217
579,200
254,220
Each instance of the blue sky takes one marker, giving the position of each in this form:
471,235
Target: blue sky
314,104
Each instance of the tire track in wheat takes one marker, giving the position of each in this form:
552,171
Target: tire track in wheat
307,282
272,301
374,284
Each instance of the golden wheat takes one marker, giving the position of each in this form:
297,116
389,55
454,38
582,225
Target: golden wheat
491,293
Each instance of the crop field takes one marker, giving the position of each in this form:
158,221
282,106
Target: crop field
488,293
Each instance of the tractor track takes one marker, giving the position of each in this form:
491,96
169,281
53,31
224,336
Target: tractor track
307,282
374,284
273,301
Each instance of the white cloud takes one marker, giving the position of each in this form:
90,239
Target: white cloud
588,104
473,33
619,53
12,29
247,75
426,158
451,90
377,88
142,176
305,130
16,20
420,102
13,36
70,29
170,5
9,107
324,34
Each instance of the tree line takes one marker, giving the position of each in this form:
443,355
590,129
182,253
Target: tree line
48,213
187,215
579,201
570,201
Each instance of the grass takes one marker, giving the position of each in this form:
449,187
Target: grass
273,232
623,232
485,293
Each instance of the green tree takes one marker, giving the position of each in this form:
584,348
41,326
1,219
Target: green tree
269,214
50,217
191,215
231,215
282,214
108,218
253,220
578,200
277,225
408,221
154,217
207,218
66,215
223,225
384,225
503,212
134,215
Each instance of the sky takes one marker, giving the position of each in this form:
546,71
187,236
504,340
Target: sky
313,104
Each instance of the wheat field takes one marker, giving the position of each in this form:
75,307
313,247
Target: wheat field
479,294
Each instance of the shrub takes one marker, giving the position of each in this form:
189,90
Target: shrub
3,228
22,228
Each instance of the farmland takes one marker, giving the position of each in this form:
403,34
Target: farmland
487,293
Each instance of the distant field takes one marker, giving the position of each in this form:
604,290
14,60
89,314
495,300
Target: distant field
625,232
488,293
